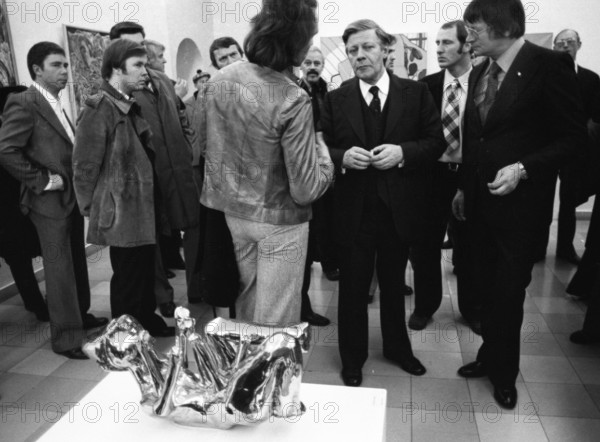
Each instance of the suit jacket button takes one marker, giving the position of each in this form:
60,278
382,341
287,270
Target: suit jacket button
482,139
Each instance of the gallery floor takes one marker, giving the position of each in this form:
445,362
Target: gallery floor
559,384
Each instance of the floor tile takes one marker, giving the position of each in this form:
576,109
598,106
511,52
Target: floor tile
52,391
557,305
324,358
548,369
11,356
588,369
15,385
398,425
398,388
564,429
482,399
440,365
83,370
439,394
503,426
41,363
445,424
577,350
542,344
594,392
563,323
566,400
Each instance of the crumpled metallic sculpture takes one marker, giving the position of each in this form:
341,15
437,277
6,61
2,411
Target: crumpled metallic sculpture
241,374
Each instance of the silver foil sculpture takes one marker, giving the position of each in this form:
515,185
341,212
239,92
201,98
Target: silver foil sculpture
240,373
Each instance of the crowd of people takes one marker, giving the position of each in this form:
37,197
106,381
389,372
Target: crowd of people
265,173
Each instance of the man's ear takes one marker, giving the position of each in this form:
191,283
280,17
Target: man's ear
37,69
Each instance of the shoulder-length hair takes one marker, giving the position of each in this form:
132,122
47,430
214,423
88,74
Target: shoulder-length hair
280,32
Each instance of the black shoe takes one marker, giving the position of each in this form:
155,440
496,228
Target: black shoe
418,322
167,309
410,365
569,256
475,326
90,321
176,263
447,245
473,369
581,337
315,319
333,275
74,353
352,377
506,397
170,274
165,332
42,314
406,290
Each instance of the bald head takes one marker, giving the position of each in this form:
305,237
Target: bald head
568,41
313,64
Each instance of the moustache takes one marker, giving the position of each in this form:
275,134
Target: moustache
312,71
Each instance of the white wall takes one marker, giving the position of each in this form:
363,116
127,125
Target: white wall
170,21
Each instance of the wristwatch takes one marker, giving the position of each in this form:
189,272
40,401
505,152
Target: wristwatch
522,172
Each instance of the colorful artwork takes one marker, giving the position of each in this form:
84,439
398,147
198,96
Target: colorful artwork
8,71
410,54
84,49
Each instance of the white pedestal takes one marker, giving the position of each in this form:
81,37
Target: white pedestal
111,413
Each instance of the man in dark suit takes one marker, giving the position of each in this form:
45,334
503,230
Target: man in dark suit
572,176
449,89
523,119
36,144
19,241
384,134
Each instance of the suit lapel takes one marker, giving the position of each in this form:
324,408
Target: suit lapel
520,73
474,80
438,89
351,107
396,101
47,113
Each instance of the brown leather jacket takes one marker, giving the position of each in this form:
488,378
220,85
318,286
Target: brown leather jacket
257,134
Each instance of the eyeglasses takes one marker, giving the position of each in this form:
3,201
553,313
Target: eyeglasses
565,42
475,33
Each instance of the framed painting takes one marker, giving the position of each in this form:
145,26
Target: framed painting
8,71
84,48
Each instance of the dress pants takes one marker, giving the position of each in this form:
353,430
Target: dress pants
65,270
163,290
426,255
323,227
567,222
270,261
132,285
376,236
191,252
22,271
583,280
501,264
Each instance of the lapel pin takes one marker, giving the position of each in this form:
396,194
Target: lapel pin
518,74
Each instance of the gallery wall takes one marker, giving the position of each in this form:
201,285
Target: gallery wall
175,21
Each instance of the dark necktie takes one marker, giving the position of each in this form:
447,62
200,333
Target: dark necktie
489,93
375,104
